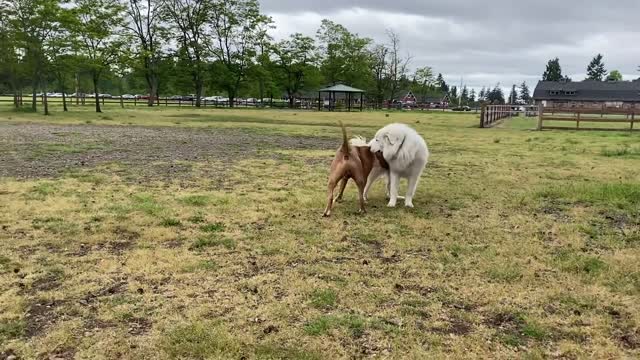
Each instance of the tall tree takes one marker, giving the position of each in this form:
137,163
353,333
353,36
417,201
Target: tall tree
347,57
525,96
472,97
190,18
442,85
464,96
58,51
237,28
496,96
34,22
614,75
482,96
297,58
379,58
97,29
553,71
453,93
397,66
513,96
425,82
596,70
144,22
9,60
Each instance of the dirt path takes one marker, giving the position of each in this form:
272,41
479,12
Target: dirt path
42,151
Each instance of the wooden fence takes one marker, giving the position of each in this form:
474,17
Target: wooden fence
580,116
492,114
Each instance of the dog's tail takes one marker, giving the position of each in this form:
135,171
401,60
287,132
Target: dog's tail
346,150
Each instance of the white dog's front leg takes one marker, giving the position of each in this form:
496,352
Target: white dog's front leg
394,182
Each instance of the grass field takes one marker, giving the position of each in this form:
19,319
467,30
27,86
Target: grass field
197,234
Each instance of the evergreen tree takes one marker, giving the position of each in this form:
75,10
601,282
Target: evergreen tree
513,97
465,95
525,96
442,85
596,70
472,96
453,94
553,72
496,96
482,95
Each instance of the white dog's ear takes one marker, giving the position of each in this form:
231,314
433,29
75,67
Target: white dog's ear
391,139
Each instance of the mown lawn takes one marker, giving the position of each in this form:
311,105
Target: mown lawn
184,233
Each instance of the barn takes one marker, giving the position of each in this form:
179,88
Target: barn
588,94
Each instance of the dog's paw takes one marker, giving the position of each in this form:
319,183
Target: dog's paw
326,214
391,204
408,204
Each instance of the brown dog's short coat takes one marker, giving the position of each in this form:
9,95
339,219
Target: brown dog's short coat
351,162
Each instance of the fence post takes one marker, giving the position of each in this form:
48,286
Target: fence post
482,114
578,121
540,116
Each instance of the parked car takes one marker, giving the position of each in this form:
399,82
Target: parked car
105,96
461,108
127,96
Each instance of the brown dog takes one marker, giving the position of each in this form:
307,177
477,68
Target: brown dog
352,162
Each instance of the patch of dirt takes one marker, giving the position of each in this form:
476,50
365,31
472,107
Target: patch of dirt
118,287
147,153
125,240
47,283
455,326
503,321
93,324
173,244
8,354
40,315
139,326
60,354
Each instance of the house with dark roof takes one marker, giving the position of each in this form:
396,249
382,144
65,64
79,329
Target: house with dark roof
432,101
588,94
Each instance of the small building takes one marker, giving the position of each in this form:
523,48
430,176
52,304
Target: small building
588,94
438,102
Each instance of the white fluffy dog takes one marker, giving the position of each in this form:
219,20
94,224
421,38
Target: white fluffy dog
406,153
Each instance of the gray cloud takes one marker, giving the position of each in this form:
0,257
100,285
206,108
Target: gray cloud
484,41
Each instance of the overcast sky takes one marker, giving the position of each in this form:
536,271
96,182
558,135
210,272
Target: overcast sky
488,41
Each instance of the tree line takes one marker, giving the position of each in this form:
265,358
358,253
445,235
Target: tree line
596,71
193,47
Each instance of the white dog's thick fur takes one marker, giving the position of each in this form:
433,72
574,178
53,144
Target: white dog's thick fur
407,154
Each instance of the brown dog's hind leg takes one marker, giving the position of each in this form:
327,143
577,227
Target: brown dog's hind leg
333,181
343,185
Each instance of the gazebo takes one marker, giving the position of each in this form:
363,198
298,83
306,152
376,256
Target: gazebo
348,91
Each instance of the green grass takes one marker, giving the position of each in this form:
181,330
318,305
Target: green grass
212,228
324,299
522,244
621,152
195,200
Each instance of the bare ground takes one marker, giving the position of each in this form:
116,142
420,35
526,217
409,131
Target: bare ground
31,151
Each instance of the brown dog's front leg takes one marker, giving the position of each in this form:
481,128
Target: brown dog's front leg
361,184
